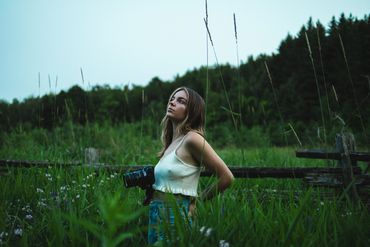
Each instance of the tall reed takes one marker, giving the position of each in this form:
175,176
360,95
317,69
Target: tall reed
276,102
232,113
240,138
322,70
207,84
353,89
141,124
39,100
317,85
85,96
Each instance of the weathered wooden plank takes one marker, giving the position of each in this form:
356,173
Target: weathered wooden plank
317,154
238,171
273,172
360,156
331,155
345,143
250,172
40,164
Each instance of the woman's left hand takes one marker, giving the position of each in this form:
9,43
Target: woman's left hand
192,209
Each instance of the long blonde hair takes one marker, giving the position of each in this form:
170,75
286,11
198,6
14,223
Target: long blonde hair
194,120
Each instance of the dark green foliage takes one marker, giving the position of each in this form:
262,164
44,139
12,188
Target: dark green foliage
344,91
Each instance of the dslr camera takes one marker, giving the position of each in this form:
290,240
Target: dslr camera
143,178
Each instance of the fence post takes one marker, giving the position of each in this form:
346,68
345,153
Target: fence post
91,156
345,143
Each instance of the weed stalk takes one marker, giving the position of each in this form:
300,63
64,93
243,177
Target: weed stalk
317,85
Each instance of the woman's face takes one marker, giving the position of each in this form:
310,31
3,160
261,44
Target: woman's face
176,109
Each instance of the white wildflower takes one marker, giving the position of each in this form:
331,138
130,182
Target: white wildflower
73,181
83,186
78,196
322,203
38,190
205,231
62,188
208,232
223,243
29,217
18,232
41,204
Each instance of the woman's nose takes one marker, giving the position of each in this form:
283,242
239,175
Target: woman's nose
172,103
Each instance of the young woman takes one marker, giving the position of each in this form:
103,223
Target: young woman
184,153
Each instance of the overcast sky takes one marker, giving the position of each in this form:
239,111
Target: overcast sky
119,42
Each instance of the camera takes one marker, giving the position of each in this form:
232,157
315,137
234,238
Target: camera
144,178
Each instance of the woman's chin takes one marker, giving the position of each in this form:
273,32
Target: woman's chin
173,118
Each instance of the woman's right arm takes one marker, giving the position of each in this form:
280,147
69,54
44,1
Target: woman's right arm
204,153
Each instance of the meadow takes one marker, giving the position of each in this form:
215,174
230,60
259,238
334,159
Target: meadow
81,207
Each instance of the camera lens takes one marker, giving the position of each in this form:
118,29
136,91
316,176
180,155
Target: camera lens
141,178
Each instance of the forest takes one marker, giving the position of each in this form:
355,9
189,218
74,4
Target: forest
316,84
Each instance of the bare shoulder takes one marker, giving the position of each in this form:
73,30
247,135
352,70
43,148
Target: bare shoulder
196,144
194,140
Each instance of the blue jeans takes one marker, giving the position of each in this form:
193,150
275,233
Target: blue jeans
162,213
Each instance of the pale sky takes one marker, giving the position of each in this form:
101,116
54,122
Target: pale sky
121,42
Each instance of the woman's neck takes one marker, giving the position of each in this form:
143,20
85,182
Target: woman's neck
176,134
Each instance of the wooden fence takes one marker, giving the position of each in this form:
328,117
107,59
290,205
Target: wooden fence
347,176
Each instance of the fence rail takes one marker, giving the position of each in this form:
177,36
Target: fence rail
238,171
347,174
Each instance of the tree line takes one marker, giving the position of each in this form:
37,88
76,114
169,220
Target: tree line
318,79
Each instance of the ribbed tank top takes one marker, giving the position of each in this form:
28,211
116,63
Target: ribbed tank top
173,175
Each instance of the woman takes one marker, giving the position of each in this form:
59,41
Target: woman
184,153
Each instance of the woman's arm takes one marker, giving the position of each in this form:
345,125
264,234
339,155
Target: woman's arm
204,153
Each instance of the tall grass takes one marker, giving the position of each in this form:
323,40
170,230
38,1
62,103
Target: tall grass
78,206
276,102
322,69
230,110
353,88
84,208
317,86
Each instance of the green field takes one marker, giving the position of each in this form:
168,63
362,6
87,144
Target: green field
79,207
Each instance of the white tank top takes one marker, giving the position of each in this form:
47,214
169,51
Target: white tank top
173,175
